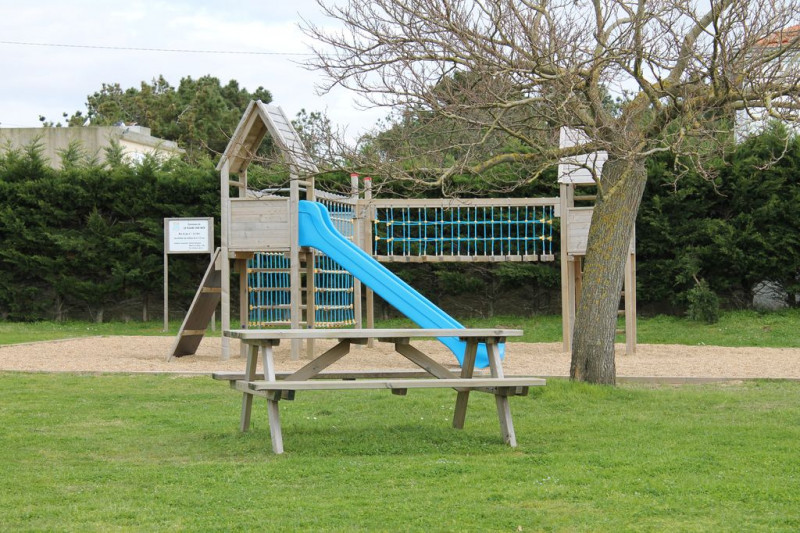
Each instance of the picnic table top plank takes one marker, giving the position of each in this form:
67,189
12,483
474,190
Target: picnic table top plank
405,333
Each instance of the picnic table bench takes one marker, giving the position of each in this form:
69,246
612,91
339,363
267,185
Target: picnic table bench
275,386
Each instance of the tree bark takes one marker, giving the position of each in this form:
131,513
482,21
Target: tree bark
610,234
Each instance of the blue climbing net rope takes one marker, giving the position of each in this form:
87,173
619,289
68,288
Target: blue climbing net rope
478,231
269,287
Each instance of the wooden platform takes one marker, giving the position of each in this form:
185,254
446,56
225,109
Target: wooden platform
283,386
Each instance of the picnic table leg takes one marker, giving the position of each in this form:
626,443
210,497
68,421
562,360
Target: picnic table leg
275,434
249,375
503,409
467,368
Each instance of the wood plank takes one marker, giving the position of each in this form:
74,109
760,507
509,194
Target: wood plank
243,386
202,308
466,383
247,335
320,363
258,224
191,332
211,290
450,203
423,361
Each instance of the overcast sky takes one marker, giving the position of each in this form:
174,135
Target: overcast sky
49,80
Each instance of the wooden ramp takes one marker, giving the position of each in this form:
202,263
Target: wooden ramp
204,304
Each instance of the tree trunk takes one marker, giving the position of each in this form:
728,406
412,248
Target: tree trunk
59,308
145,302
604,271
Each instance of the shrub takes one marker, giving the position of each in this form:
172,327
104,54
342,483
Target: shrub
703,303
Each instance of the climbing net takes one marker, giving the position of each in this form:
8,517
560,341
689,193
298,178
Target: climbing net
269,274
269,292
512,232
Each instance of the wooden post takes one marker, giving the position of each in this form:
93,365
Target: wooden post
166,281
249,375
311,309
567,270
630,304
214,314
244,308
311,288
503,408
358,238
367,243
275,433
294,263
225,266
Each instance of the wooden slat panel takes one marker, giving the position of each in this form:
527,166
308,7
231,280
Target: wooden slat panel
578,221
258,224
265,209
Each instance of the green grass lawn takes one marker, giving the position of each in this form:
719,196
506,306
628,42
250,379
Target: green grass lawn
736,328
117,452
16,332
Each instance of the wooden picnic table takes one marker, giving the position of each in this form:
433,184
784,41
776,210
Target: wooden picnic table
276,386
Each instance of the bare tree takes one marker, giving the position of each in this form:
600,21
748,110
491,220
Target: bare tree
495,79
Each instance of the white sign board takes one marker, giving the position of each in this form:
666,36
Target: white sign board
189,235
185,236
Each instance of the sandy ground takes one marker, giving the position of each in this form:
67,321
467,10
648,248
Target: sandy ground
148,354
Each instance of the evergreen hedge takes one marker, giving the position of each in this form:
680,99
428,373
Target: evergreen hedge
89,238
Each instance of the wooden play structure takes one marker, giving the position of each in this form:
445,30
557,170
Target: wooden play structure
286,285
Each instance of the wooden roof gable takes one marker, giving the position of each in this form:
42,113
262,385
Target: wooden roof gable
258,120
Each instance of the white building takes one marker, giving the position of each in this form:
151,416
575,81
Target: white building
135,141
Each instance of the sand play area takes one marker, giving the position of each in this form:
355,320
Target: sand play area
148,354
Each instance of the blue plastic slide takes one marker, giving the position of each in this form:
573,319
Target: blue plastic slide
317,231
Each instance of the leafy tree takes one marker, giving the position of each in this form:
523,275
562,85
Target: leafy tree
200,114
